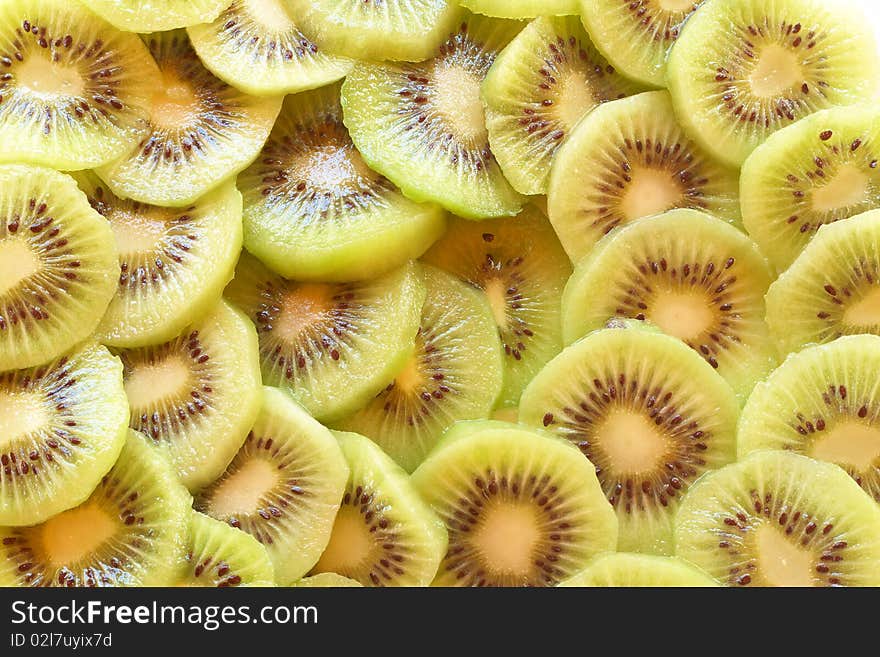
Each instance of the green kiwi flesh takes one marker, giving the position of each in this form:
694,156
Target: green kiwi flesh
327,580
138,16
622,569
522,8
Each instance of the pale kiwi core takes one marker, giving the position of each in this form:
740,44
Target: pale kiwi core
458,101
651,192
864,313
631,442
848,187
780,561
242,491
135,232
507,537
350,544
304,306
677,5
148,385
48,79
20,414
74,534
174,104
496,292
270,14
778,70
849,443
17,263
683,314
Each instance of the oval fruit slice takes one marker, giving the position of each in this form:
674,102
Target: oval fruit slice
639,571
139,16
522,8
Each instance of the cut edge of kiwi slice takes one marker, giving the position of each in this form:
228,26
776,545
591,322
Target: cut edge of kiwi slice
327,580
631,570
522,8
136,16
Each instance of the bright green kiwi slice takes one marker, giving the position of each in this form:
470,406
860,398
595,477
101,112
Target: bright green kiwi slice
817,171
423,125
832,288
283,486
257,46
639,571
520,266
538,89
131,531
201,131
648,413
174,262
315,211
781,519
140,16
62,426
334,346
743,69
455,373
822,402
74,91
693,276
630,159
196,396
327,580
522,8
58,266
521,508
384,533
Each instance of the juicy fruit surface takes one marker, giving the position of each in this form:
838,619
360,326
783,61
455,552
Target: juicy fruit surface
327,580
139,16
639,570
522,8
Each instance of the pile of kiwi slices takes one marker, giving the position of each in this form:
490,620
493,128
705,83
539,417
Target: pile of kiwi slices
334,293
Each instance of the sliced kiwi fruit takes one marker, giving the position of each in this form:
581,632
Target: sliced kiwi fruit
283,486
691,275
781,519
256,46
520,266
630,159
538,89
384,534
327,580
822,402
743,69
423,125
173,262
649,414
197,395
58,264
131,531
819,170
315,211
201,131
623,569
522,8
63,425
74,90
832,288
334,346
455,373
521,508
139,16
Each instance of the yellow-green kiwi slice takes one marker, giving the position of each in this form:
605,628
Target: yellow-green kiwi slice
140,16
522,8
327,580
628,570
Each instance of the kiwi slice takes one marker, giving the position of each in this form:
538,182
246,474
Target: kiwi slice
423,125
63,425
455,373
648,413
283,486
522,8
693,276
140,16
820,170
327,580
74,91
521,267
538,89
58,264
256,46
315,211
630,159
131,531
196,396
833,287
781,519
384,534
639,570
334,346
742,70
201,131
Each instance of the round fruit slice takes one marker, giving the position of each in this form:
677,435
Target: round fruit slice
522,8
58,265
815,172
521,267
315,211
423,125
140,16
454,374
327,580
131,531
648,413
384,534
743,69
779,519
639,570
693,276
74,91
201,131
174,262
333,346
197,395
256,46
538,89
630,159
62,427
522,509
283,487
